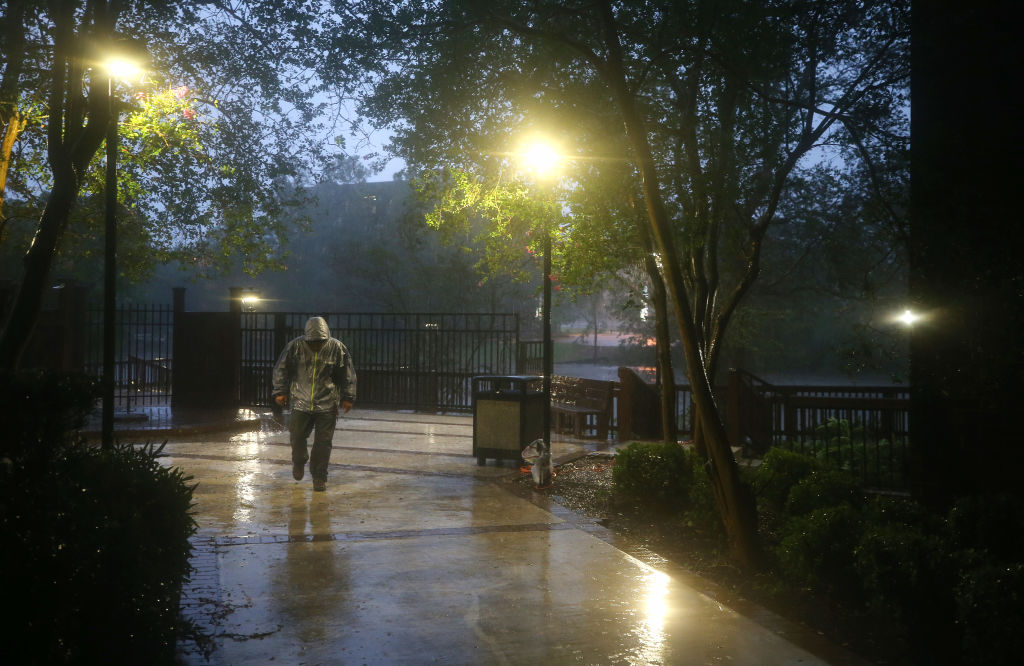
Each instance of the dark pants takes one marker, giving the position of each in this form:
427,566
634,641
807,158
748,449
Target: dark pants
299,426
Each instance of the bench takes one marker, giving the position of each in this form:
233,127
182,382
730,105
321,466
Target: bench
580,406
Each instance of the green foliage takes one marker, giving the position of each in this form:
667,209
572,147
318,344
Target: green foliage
899,555
39,408
213,140
670,478
506,220
816,549
995,522
874,460
94,544
656,472
822,488
989,599
952,583
722,152
780,470
985,540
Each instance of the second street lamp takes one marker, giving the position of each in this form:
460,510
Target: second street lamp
116,68
542,158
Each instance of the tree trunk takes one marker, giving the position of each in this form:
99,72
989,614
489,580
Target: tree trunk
76,127
666,372
735,501
23,315
11,119
11,130
663,336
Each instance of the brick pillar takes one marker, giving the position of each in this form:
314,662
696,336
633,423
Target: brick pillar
235,299
179,299
71,319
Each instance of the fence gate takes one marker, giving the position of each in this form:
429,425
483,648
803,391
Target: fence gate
417,361
143,350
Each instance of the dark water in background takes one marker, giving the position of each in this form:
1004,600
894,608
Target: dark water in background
611,373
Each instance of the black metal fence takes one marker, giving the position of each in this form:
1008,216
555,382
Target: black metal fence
866,431
530,357
416,361
143,352
863,429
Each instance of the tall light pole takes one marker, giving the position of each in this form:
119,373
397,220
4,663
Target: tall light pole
542,158
117,68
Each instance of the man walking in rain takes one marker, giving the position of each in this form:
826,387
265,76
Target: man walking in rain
314,374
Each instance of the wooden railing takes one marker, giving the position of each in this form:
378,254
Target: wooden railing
863,429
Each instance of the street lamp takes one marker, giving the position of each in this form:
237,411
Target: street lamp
908,318
542,159
250,301
122,69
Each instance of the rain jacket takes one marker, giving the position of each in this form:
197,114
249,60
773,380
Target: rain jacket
315,382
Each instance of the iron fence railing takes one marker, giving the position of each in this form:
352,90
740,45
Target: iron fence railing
530,357
867,435
143,353
422,361
863,429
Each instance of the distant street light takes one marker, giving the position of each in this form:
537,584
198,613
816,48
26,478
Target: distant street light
908,318
250,301
124,69
541,158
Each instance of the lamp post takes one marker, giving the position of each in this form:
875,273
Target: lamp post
549,361
542,158
116,68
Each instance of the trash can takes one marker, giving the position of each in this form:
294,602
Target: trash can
508,414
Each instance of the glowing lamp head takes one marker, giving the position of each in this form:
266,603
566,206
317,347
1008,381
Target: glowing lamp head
250,302
908,318
541,158
123,69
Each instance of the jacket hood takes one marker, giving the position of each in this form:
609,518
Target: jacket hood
316,329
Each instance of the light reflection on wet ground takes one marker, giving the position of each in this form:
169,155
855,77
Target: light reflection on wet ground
415,553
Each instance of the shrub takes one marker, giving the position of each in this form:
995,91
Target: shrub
670,478
41,410
989,598
816,550
906,575
985,540
822,488
780,470
993,523
654,472
94,545
896,561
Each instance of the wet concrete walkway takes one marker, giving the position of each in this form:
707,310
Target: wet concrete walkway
415,554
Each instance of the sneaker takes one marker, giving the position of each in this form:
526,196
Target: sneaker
320,484
298,470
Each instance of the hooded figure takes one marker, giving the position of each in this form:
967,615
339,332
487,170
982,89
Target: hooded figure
315,375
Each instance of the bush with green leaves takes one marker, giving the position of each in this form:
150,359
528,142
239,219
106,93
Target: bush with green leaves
94,544
668,477
899,554
955,582
815,550
40,410
779,472
853,448
655,472
822,488
989,598
985,539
